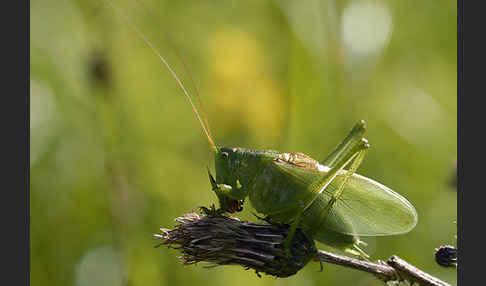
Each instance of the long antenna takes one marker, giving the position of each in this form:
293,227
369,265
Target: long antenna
186,69
174,75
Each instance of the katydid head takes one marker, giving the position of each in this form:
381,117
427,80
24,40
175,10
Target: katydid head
226,185
236,170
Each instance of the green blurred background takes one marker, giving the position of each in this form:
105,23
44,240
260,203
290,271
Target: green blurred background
116,151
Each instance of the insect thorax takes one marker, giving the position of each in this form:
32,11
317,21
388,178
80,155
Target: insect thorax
299,160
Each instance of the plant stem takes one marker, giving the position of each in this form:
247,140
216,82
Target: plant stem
223,240
395,268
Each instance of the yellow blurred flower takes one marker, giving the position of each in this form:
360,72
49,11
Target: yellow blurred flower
240,86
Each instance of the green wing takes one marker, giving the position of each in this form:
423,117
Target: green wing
365,208
368,208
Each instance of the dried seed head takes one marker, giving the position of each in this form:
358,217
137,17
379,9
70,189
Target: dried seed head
446,256
221,240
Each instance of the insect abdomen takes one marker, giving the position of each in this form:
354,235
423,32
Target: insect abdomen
281,191
277,195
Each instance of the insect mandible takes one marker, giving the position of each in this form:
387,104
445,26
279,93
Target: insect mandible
333,205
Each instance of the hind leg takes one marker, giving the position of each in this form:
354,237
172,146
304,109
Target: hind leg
336,195
351,140
355,155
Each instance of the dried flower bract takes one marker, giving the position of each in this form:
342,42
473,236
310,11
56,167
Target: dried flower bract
221,240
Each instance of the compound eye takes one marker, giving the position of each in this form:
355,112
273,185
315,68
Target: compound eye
224,155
